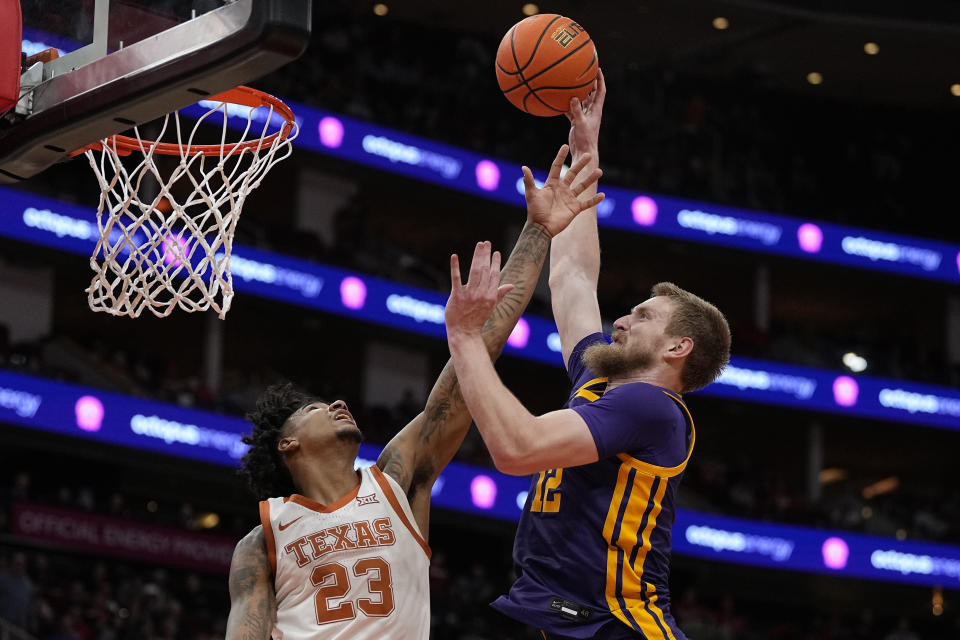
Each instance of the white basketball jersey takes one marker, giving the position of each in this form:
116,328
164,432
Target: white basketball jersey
357,569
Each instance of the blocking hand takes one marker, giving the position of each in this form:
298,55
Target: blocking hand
558,202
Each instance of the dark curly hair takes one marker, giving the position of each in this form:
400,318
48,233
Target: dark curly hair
262,466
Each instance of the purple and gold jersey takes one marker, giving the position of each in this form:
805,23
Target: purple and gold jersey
593,545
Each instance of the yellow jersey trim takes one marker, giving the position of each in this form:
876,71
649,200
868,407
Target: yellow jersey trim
642,612
584,392
648,619
608,527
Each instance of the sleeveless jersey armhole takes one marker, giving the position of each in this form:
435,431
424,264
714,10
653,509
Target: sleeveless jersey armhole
268,535
391,495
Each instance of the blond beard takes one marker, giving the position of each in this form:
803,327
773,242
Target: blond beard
612,361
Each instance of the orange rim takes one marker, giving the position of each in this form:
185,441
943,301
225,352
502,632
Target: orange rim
245,96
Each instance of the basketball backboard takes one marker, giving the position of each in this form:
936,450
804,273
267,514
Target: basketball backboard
126,62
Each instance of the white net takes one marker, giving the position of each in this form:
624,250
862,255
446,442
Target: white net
166,236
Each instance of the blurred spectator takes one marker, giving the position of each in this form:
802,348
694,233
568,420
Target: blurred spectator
902,632
17,591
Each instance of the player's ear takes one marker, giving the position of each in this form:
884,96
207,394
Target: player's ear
680,347
288,444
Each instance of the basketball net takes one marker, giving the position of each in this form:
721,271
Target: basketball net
172,248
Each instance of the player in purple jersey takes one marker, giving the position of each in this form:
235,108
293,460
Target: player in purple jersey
593,545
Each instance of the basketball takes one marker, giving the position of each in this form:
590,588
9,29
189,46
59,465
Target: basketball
545,60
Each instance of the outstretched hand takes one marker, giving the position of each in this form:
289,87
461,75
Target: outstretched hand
558,202
470,305
585,119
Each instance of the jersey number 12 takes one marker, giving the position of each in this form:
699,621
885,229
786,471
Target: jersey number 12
546,498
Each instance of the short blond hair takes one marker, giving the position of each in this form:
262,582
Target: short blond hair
703,323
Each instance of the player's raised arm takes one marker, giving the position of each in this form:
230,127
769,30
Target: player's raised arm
417,455
575,253
253,605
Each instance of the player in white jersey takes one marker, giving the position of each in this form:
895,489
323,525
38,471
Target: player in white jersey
342,553
361,557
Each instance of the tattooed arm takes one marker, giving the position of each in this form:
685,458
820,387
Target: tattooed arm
419,452
253,604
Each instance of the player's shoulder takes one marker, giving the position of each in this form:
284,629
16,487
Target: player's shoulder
254,542
250,566
648,396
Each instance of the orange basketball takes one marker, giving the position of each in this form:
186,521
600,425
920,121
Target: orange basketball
545,60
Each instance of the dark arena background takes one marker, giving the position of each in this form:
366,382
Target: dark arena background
793,161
